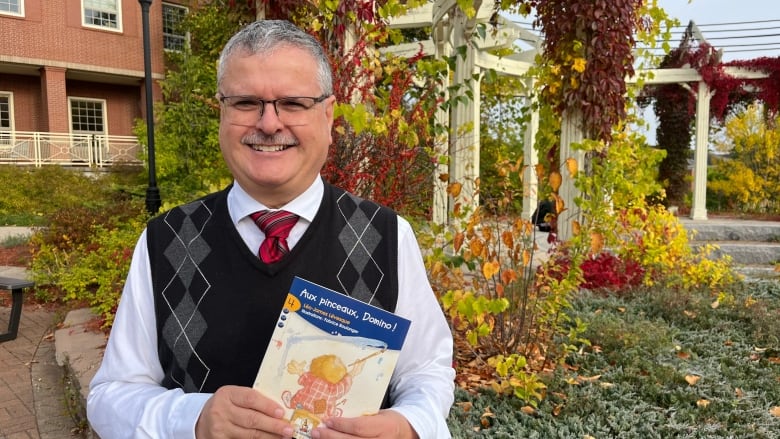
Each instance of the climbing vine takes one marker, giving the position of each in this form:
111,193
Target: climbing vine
675,104
732,92
588,53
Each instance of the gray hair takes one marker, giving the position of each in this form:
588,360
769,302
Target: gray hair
262,37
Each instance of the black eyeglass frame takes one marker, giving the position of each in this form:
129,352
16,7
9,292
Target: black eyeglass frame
263,102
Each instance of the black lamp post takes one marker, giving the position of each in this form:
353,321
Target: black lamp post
152,192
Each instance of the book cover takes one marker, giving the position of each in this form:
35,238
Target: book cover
329,355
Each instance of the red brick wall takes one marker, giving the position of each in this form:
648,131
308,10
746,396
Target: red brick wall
51,30
26,99
48,55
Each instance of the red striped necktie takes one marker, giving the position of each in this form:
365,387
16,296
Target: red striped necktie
276,225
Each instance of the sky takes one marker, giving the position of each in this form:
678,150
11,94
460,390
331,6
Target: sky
745,29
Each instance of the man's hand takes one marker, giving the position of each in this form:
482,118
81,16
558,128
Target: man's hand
241,412
387,424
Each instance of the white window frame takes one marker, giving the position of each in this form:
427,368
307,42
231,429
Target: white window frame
104,107
118,27
184,37
7,134
19,13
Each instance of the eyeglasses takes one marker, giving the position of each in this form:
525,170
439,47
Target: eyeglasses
292,110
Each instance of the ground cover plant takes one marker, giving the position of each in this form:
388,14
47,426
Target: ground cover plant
662,364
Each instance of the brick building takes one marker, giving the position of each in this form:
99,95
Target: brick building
76,67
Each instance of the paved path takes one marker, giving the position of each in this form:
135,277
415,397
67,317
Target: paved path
32,391
32,401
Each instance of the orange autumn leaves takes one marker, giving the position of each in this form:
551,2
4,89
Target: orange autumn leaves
478,247
483,245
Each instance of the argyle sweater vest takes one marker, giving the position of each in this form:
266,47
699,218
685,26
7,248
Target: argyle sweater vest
216,302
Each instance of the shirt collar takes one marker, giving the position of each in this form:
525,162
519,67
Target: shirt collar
305,205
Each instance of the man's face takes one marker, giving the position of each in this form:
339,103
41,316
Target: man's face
272,159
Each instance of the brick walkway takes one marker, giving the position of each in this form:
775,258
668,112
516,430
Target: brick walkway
31,389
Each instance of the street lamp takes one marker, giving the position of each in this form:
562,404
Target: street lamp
152,192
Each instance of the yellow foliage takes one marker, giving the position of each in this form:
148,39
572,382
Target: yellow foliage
656,239
572,166
579,65
555,180
454,189
490,269
540,171
749,179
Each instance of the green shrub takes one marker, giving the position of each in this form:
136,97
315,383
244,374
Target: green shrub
32,195
84,253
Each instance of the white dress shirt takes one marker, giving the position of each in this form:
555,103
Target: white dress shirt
126,399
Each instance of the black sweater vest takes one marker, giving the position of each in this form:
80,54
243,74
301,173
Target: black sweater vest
216,302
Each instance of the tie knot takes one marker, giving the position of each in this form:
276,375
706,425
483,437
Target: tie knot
276,225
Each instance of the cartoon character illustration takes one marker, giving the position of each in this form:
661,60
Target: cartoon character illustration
322,386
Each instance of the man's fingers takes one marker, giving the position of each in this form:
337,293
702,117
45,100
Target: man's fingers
254,400
235,411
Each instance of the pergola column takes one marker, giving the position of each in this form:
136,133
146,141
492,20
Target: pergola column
530,160
699,205
571,132
464,118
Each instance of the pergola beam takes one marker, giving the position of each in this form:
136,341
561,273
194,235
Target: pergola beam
672,76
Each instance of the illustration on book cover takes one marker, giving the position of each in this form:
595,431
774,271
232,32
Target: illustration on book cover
329,355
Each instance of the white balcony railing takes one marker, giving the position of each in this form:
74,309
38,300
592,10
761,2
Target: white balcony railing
40,148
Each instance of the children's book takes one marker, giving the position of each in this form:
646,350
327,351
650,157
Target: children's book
329,355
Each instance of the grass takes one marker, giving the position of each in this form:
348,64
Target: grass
663,364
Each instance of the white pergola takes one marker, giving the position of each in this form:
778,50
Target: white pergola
452,29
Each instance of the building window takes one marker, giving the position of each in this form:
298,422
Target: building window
12,7
87,116
6,119
104,14
173,36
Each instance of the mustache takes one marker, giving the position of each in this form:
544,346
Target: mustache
273,139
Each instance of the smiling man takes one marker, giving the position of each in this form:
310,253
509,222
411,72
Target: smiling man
208,278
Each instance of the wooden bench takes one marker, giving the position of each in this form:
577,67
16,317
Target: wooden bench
16,287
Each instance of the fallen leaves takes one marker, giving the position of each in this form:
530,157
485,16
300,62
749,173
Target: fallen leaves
692,379
528,410
579,379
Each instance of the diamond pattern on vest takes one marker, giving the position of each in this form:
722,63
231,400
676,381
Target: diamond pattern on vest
360,274
184,328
